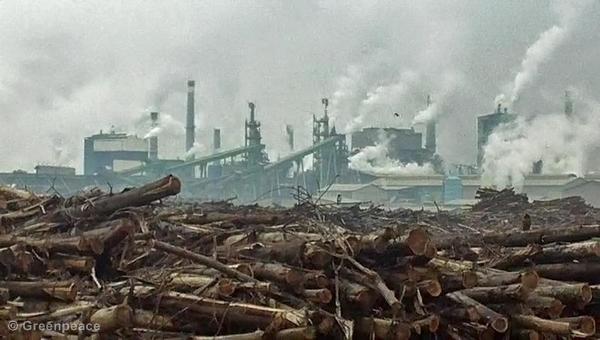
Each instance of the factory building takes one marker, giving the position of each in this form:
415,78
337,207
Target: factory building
486,125
414,191
405,145
107,152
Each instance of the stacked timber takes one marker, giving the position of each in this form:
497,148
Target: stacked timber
137,264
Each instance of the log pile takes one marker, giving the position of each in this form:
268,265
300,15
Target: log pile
138,264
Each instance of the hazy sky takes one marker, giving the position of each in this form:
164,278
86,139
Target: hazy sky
71,68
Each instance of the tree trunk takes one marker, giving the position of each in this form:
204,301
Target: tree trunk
497,321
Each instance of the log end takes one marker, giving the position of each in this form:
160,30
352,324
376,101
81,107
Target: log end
500,325
469,279
530,279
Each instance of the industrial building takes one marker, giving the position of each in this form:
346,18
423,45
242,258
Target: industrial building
108,152
116,160
409,191
486,125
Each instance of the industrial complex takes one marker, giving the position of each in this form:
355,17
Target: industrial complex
114,160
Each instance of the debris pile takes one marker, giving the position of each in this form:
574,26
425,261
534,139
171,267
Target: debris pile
139,265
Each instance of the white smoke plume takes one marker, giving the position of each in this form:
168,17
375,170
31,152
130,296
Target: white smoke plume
562,143
375,160
544,47
197,149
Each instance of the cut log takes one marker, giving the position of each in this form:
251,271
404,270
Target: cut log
201,259
112,318
319,296
495,320
488,278
147,319
383,328
583,324
557,327
515,292
62,290
215,287
80,264
545,306
417,242
278,273
136,197
468,314
358,294
568,293
567,252
517,238
429,324
516,258
248,314
582,271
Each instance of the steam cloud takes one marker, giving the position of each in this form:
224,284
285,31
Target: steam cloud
561,142
71,68
375,160
544,47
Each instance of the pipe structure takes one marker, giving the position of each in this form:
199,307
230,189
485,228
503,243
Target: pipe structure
190,128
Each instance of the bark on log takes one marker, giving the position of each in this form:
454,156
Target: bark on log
205,260
136,197
358,294
553,326
95,241
80,264
495,320
417,242
429,324
582,271
515,292
527,278
383,328
515,238
579,294
113,318
248,314
147,319
278,273
545,306
516,258
62,290
297,333
215,287
319,296
552,253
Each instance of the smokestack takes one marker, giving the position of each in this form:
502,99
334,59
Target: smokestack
216,139
153,141
190,129
430,142
251,106
290,136
568,103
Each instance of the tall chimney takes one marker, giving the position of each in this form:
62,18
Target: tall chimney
153,141
190,128
290,136
430,142
216,139
568,103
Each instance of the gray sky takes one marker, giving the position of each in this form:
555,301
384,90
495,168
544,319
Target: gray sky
71,68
